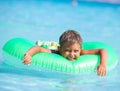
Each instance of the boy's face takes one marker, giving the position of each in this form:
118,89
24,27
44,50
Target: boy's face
70,51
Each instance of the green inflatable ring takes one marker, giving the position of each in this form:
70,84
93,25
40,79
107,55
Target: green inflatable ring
14,50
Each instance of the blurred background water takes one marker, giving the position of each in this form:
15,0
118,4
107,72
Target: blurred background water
46,20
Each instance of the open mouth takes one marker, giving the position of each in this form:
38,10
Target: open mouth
70,58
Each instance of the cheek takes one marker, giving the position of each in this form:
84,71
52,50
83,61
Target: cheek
64,54
78,54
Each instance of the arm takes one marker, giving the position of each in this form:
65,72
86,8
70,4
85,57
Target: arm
101,69
35,49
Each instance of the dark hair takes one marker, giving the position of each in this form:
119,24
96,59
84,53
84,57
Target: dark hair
70,36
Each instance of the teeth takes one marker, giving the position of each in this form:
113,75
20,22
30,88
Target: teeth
70,58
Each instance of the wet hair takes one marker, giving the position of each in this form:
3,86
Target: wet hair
70,36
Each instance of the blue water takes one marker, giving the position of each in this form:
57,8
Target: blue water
46,20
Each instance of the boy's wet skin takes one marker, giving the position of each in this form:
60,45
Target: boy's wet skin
70,51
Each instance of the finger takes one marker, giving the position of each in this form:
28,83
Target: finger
27,61
102,72
27,58
99,71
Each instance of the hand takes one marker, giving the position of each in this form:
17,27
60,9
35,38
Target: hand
101,70
27,59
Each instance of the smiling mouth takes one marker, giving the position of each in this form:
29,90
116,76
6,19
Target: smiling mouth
70,58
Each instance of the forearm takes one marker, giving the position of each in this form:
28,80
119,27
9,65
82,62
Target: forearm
103,56
33,50
36,49
101,69
101,52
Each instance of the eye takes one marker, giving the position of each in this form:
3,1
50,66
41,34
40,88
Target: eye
67,50
76,51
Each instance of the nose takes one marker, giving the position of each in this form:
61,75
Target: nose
71,53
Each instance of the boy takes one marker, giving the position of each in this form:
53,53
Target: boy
70,48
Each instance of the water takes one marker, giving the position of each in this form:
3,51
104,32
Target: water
46,20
